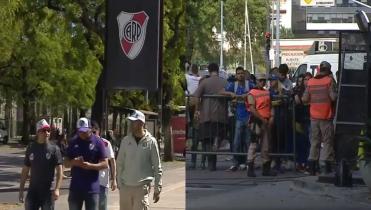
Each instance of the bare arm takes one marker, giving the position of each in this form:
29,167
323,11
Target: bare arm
112,163
59,169
306,97
59,176
24,175
103,164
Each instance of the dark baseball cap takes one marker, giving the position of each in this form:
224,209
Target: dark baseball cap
325,66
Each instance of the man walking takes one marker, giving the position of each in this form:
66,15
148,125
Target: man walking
238,91
87,156
212,112
321,94
138,163
259,104
43,159
107,177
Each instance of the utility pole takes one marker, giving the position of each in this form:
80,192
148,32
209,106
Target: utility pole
221,33
245,44
277,57
248,29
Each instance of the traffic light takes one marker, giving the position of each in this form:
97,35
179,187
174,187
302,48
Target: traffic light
267,36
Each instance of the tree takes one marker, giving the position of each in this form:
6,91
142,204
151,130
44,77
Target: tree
48,63
203,15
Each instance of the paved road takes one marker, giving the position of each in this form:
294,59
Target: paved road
11,161
221,190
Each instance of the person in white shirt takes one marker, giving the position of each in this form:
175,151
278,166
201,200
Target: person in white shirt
138,164
107,177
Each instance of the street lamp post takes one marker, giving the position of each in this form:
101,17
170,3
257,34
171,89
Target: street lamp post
221,34
277,57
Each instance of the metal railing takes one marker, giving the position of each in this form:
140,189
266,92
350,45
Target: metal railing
284,141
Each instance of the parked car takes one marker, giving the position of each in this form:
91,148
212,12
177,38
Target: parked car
3,132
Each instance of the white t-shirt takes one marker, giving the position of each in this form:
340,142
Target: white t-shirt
192,83
104,174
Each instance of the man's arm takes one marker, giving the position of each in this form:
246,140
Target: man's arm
58,181
103,164
306,97
112,166
24,175
156,164
332,91
120,162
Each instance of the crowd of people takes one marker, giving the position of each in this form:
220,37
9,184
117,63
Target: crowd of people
94,169
265,110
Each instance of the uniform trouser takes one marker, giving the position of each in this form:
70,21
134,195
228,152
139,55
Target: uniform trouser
264,138
322,131
134,197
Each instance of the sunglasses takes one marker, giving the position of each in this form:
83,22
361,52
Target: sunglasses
262,80
44,130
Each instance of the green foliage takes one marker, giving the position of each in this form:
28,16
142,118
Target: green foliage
202,16
48,59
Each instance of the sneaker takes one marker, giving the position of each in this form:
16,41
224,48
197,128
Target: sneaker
232,168
242,167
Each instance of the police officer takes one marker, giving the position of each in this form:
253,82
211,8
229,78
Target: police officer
259,104
321,94
43,159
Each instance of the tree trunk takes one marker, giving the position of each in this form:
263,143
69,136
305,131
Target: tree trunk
66,120
114,120
98,106
168,153
74,120
8,115
26,122
26,108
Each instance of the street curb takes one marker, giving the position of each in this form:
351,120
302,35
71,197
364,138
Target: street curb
312,187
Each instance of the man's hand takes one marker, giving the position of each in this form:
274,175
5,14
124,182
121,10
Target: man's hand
86,165
197,115
264,121
113,185
55,194
156,197
271,121
21,196
78,162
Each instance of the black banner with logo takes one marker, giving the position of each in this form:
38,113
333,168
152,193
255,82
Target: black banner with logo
133,50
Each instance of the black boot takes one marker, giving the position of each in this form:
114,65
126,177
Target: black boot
312,167
328,167
267,169
212,162
250,169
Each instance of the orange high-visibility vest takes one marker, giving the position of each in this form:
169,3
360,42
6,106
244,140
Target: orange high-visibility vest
320,102
262,102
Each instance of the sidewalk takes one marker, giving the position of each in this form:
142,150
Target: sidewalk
11,161
172,197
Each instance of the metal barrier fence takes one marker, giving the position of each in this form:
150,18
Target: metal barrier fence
215,128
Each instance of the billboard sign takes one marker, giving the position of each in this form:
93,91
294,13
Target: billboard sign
133,50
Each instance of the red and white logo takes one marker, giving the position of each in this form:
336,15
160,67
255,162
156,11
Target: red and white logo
132,32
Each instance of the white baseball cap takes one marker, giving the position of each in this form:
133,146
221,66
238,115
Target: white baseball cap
83,125
137,115
42,124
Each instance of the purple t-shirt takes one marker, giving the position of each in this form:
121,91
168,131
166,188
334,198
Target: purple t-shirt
92,150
